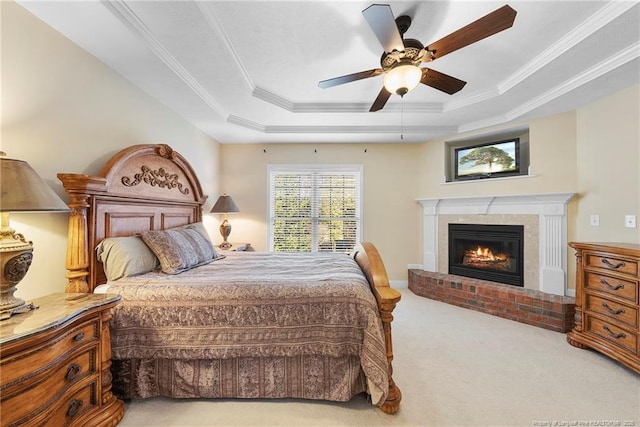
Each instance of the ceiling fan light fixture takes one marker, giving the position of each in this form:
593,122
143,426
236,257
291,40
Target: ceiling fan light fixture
402,79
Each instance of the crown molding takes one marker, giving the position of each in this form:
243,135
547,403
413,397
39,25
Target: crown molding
272,98
431,130
250,124
456,104
216,26
130,19
245,123
341,107
624,56
614,61
595,22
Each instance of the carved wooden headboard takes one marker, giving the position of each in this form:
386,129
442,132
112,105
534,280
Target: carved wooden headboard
143,187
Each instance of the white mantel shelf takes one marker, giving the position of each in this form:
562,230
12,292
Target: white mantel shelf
552,213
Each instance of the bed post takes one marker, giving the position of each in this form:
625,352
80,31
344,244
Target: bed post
386,305
78,188
369,260
77,262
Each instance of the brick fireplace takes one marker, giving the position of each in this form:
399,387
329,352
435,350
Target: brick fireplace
541,301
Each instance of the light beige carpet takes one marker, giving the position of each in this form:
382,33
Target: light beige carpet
455,367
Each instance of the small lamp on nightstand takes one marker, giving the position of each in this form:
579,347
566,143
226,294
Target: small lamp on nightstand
21,190
225,205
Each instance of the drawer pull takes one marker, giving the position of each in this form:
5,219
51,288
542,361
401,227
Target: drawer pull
611,310
79,336
616,266
74,407
613,288
73,371
613,334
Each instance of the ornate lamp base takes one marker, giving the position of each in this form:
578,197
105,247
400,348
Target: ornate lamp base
225,230
15,258
25,307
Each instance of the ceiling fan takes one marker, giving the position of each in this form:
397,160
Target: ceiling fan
401,57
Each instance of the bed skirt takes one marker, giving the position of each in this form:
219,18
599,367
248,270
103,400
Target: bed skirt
307,377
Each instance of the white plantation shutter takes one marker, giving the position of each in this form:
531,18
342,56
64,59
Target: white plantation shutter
314,208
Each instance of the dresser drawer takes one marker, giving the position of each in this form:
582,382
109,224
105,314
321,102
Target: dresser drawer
607,300
26,398
628,341
624,289
613,263
616,312
30,363
74,406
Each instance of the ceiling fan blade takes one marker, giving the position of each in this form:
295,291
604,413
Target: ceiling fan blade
382,99
488,25
441,81
350,78
381,20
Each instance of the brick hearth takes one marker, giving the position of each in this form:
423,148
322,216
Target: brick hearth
548,311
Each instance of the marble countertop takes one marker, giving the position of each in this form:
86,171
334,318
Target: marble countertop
53,310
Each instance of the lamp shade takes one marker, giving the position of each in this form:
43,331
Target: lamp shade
22,189
225,204
402,79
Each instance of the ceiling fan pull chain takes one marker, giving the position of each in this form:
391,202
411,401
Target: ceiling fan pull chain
401,117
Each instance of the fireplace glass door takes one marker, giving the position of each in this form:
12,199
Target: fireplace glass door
488,252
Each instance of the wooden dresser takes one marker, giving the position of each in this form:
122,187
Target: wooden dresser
607,297
55,363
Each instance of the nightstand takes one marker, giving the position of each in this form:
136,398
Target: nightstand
55,363
238,247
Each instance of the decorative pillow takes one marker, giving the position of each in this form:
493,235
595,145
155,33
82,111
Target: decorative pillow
181,248
125,256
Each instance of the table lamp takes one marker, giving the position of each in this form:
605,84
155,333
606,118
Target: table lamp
225,205
21,190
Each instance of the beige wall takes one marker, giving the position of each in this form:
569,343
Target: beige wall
608,154
391,217
65,111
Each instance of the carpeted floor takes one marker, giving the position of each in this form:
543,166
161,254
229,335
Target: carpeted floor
455,367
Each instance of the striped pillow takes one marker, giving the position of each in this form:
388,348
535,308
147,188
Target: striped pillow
182,248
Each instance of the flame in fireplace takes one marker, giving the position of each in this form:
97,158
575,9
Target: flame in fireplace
484,253
483,257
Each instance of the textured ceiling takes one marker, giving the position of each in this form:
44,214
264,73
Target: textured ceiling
248,71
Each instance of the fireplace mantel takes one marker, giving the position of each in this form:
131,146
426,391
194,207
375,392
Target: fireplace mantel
552,216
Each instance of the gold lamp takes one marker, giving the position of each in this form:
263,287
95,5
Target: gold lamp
21,190
225,205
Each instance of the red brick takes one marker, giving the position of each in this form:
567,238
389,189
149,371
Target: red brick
524,305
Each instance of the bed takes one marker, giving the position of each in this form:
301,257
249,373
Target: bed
214,324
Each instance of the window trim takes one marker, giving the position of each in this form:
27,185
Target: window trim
271,168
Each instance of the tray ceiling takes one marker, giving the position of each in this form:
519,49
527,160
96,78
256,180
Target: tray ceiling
248,71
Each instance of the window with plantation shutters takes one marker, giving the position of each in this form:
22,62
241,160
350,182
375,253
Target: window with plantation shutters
314,208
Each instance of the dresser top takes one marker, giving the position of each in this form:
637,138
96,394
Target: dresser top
631,249
53,310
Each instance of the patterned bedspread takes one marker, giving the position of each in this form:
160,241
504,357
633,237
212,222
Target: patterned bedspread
254,304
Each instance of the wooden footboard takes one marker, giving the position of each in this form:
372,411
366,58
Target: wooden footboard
369,260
